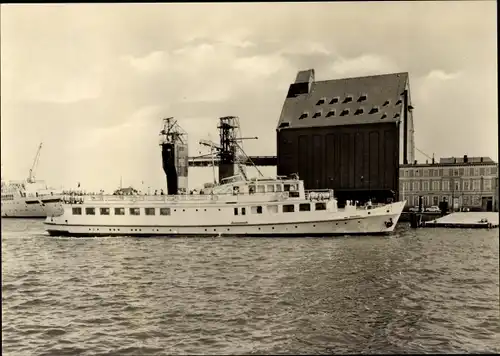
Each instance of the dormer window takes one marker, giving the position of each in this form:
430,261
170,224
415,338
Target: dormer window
348,99
358,112
330,113
320,101
362,98
334,100
398,102
383,116
374,110
317,114
396,115
386,103
303,116
344,112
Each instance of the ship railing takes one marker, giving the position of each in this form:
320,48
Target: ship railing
79,199
319,194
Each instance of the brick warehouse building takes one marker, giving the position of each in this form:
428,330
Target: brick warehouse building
348,134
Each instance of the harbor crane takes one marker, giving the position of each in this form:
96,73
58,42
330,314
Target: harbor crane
31,177
229,151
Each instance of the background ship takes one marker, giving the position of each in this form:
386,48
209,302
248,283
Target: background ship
29,198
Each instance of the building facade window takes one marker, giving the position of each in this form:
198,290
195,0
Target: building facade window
487,184
475,200
416,186
426,172
435,185
446,185
466,185
481,171
425,185
446,172
435,200
476,185
476,171
465,200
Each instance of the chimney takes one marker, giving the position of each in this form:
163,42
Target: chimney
415,162
481,159
303,83
434,161
454,160
426,161
465,159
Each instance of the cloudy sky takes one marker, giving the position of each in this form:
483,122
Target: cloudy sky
92,81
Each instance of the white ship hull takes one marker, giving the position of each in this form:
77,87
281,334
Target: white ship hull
354,221
31,207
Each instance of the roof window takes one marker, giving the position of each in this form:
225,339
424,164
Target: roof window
362,98
344,112
386,103
383,116
303,116
284,124
398,102
334,100
317,114
348,99
396,115
374,110
320,101
359,111
330,113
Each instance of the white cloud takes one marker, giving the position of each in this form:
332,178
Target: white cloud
306,47
75,88
438,74
367,64
152,62
260,66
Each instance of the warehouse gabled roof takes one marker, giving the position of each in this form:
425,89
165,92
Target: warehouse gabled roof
348,101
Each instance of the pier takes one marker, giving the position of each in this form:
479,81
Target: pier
464,220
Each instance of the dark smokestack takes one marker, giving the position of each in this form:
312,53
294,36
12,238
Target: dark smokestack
466,159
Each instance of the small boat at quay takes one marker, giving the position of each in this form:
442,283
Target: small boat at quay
238,206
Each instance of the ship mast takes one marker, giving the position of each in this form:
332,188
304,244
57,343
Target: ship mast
31,176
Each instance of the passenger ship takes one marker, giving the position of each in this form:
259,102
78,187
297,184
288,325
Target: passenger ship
237,207
30,198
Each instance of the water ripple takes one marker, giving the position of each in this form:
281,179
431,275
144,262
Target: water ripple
419,291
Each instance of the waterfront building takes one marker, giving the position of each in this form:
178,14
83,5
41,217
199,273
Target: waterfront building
464,182
347,134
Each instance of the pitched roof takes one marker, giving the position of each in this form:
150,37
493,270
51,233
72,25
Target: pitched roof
347,101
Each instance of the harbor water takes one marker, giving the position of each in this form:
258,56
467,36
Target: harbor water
416,291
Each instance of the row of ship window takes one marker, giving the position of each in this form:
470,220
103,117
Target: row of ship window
8,197
286,208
